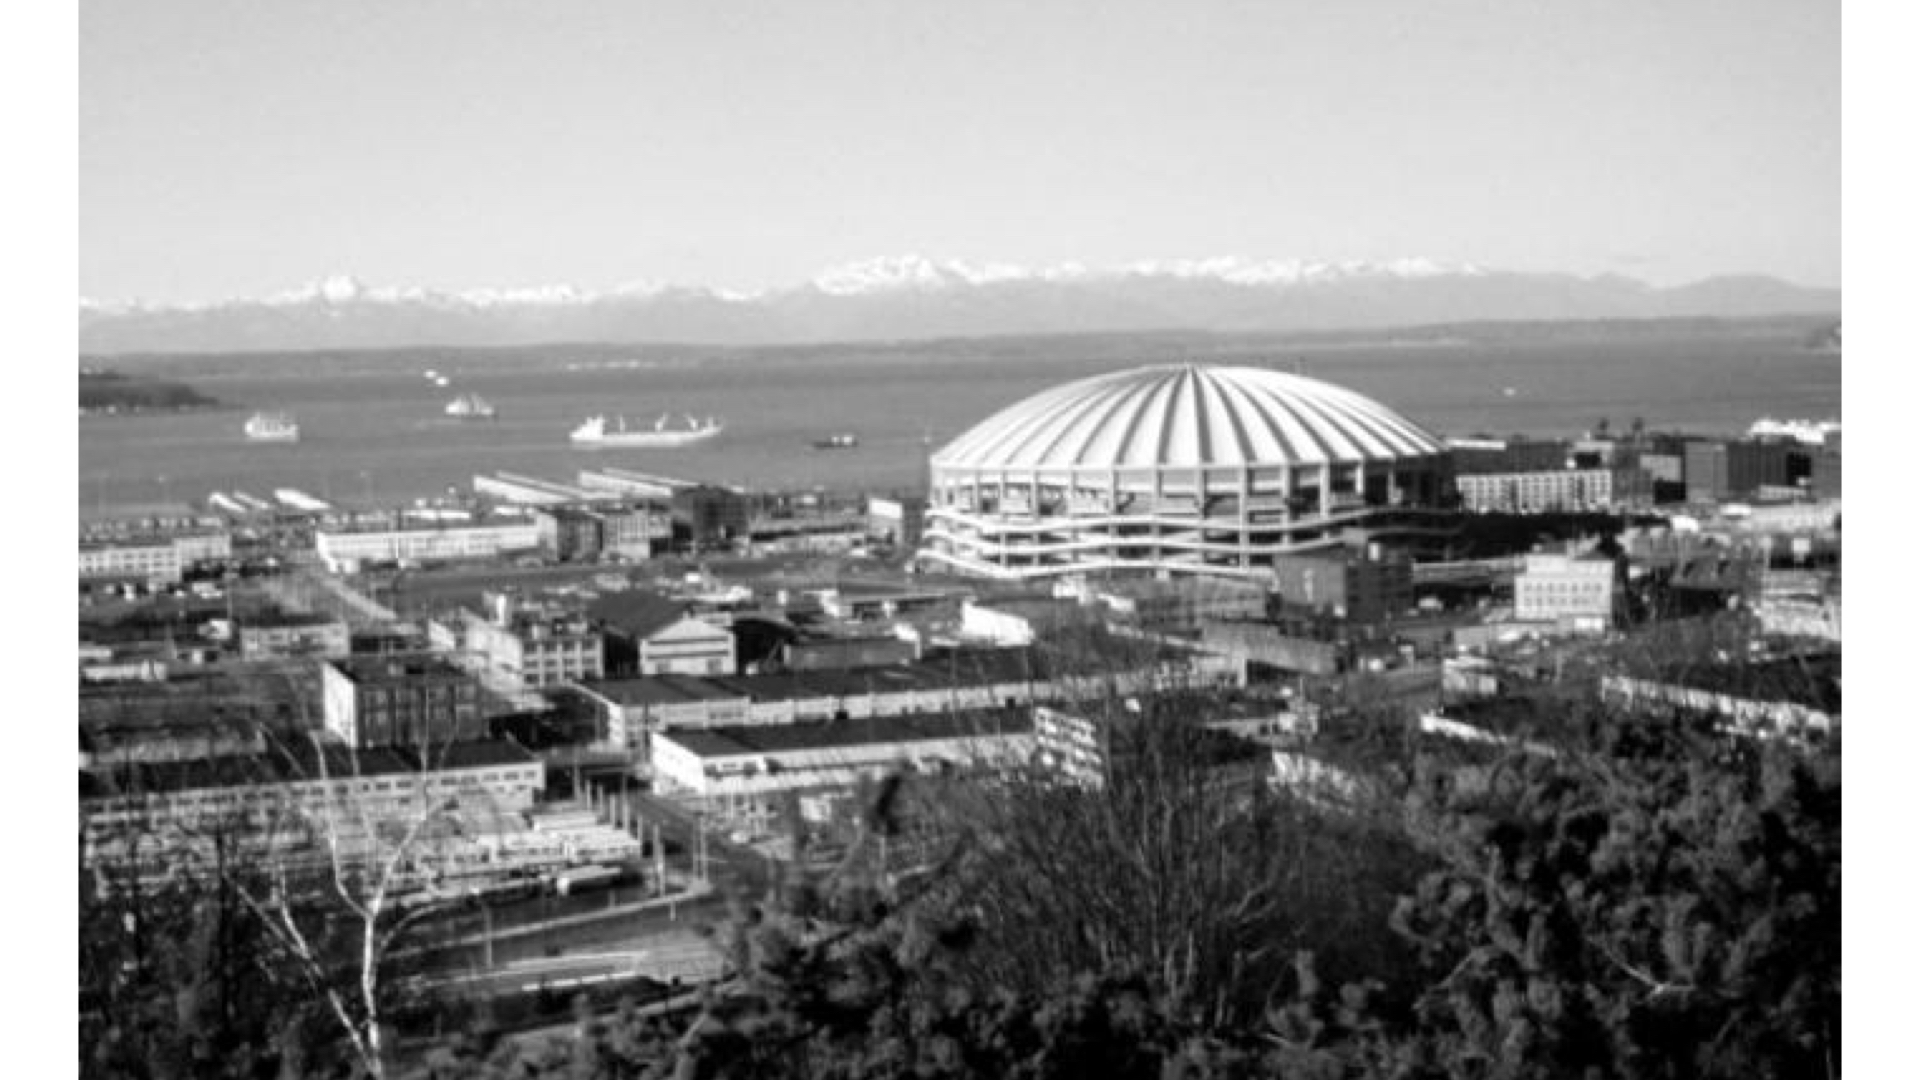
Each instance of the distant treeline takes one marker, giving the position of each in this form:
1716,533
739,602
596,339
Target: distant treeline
109,391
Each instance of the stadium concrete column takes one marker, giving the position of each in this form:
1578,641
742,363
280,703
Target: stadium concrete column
1246,535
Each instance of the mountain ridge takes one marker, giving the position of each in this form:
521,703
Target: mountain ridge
910,298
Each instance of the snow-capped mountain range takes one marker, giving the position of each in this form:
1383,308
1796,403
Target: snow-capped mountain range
913,297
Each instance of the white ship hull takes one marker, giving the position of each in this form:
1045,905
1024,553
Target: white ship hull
470,407
598,432
272,427
646,438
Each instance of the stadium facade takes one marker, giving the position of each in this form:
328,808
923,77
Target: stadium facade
1180,469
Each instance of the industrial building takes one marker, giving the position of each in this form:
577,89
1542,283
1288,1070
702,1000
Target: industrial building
755,763
1559,490
412,701
346,550
1185,469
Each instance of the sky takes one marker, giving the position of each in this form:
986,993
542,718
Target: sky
245,148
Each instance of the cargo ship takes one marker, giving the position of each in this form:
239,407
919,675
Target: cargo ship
272,427
470,407
599,431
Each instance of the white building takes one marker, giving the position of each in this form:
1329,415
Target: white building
346,551
753,763
155,561
530,649
1576,592
686,646
1554,490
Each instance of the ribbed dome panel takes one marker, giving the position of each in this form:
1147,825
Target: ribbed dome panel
1187,416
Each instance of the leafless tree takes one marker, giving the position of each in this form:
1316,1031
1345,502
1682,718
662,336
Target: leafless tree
346,877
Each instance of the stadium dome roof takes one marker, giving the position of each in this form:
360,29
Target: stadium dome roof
1187,415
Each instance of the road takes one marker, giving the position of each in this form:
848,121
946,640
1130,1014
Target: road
677,953
733,872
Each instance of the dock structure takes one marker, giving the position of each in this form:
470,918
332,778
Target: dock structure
295,499
526,490
629,483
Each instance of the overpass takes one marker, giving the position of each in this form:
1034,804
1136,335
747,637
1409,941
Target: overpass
1498,571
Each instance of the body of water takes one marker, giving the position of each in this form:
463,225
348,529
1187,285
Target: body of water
373,430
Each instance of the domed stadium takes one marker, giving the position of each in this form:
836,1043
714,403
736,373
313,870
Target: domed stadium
1185,469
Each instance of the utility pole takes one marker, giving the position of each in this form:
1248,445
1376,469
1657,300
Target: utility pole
659,862
486,915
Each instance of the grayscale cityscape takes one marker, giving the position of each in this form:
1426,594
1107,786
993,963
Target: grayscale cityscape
905,540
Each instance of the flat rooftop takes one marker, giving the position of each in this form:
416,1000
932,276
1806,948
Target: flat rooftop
660,690
793,738
385,669
295,762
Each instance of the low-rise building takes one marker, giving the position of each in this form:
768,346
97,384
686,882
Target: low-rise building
1179,606
152,561
684,646
628,530
711,514
345,550
531,649
1484,456
406,701
754,763
899,522
1558,490
1365,586
1249,641
1085,749
1016,622
839,651
631,709
873,602
303,804
1797,616
951,681
1574,592
651,634
288,635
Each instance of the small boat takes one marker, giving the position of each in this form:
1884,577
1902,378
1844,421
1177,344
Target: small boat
272,427
442,380
471,407
1508,391
844,440
598,431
